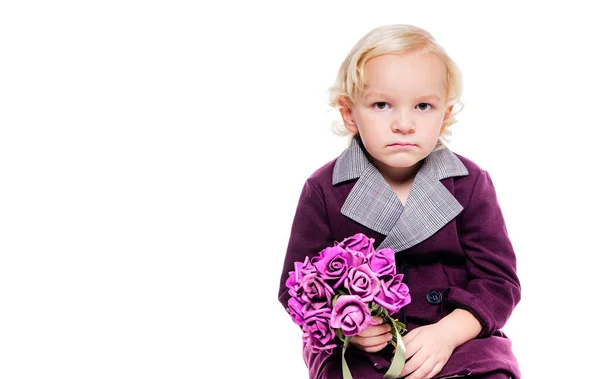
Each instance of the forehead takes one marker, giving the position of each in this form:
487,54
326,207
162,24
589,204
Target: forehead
406,74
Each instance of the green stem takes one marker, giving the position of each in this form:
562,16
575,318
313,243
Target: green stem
399,358
345,369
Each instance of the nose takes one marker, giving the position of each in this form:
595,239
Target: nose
403,122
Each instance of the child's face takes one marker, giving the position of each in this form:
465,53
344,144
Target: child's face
399,113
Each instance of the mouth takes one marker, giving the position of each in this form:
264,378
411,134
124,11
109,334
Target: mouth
402,144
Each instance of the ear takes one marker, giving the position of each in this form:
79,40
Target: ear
346,112
448,112
447,115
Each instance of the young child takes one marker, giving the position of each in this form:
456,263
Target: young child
399,184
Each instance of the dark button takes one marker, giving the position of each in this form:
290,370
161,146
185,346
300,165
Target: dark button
434,297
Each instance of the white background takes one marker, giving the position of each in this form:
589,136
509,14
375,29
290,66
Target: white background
152,153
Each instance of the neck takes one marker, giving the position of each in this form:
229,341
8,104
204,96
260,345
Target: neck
397,175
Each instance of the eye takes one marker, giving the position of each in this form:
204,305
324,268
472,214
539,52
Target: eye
423,106
380,105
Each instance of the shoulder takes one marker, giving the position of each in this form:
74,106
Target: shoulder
473,168
476,187
475,171
322,177
318,187
477,184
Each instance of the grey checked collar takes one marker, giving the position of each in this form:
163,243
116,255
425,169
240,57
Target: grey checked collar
374,204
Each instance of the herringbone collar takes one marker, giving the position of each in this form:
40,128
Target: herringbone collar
373,203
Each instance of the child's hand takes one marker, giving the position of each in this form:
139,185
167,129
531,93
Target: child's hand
428,348
374,338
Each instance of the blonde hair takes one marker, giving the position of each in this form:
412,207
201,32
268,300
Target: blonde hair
392,39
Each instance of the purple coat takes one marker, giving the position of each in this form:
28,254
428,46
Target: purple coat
450,241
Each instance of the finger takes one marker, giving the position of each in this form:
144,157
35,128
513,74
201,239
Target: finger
371,341
412,347
376,330
413,364
423,371
411,344
436,370
409,336
376,348
369,347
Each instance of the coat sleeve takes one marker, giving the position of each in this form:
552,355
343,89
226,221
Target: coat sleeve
310,233
493,289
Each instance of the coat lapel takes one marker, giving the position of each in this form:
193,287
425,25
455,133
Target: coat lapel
374,204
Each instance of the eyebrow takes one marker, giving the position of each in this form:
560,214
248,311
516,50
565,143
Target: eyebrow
374,94
434,97
381,94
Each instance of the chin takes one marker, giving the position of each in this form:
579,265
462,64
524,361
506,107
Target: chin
402,163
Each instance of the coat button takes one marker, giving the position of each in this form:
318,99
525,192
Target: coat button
434,297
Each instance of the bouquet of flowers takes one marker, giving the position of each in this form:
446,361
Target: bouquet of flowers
336,294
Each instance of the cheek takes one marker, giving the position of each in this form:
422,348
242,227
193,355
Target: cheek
434,124
372,125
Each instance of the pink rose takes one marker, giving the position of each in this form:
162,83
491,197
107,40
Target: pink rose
295,310
300,269
383,262
363,282
333,264
318,335
314,291
358,258
358,242
393,295
351,315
